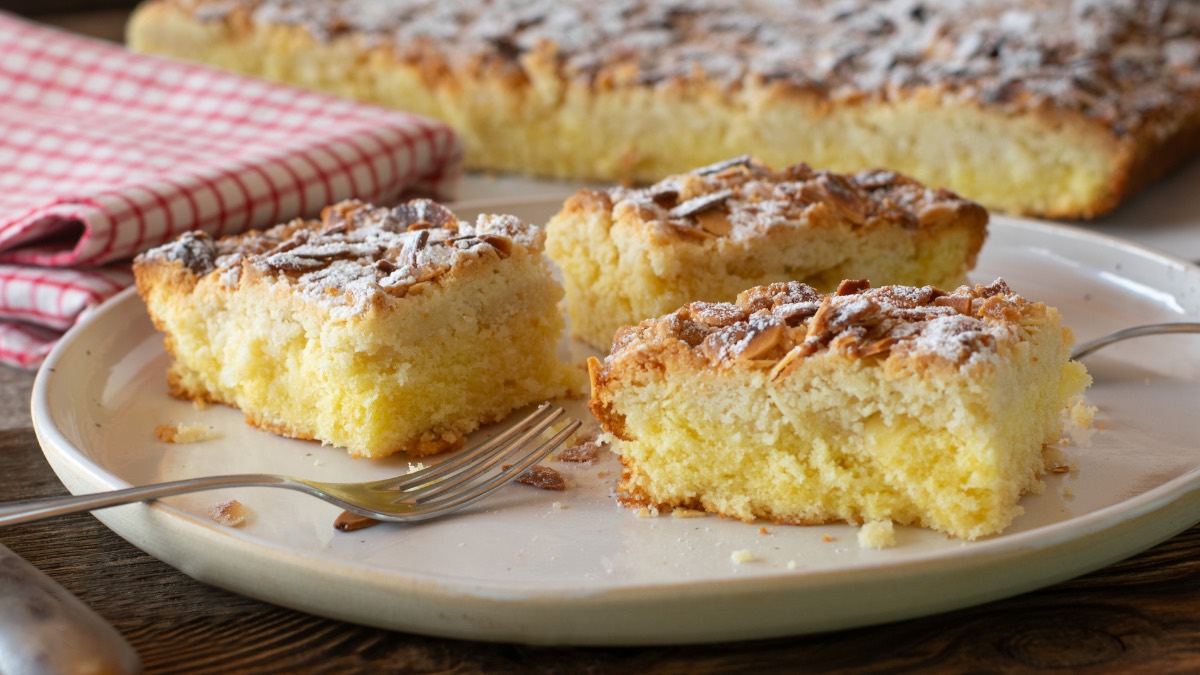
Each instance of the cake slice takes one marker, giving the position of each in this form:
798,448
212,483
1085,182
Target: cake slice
380,330
628,255
869,404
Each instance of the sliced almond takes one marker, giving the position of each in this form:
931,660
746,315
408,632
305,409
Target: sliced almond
502,244
788,363
960,303
715,222
761,341
853,286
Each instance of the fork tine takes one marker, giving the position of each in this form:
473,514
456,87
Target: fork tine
479,466
440,503
540,418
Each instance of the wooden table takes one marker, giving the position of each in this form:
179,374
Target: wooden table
1142,614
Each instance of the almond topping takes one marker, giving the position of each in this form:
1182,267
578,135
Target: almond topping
718,167
583,452
715,222
853,286
716,314
761,342
689,231
348,522
667,199
502,244
843,195
788,363
878,347
702,203
541,477
959,303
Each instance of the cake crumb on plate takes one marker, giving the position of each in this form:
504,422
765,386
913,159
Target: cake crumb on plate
184,432
230,513
877,534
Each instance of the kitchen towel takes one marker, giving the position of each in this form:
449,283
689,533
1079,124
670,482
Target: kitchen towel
105,153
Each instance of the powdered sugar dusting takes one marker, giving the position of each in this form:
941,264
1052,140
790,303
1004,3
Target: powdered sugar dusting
358,253
1106,58
771,324
754,199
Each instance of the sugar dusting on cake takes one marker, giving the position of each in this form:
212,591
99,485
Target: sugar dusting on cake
741,199
356,253
1118,60
780,324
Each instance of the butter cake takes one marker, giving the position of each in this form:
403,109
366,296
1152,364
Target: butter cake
376,329
1057,109
902,404
633,254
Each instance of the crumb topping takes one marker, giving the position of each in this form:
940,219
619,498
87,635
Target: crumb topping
775,327
356,253
1122,61
741,198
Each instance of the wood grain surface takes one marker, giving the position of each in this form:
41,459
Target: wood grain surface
1139,615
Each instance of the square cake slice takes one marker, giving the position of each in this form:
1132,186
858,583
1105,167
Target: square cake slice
900,404
376,329
628,255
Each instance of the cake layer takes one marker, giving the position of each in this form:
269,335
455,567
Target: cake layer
1052,109
633,254
898,403
379,330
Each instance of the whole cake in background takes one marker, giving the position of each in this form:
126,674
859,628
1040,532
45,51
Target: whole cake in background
377,329
1057,109
632,254
891,404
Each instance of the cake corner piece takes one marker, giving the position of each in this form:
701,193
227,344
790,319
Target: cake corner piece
376,329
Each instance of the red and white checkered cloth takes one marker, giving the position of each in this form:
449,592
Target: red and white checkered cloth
105,153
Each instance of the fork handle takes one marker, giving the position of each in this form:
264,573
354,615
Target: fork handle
36,509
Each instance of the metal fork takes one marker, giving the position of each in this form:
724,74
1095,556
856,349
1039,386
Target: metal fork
1083,349
429,493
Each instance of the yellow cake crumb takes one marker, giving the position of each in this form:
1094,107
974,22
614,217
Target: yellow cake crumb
1082,414
877,534
184,432
743,556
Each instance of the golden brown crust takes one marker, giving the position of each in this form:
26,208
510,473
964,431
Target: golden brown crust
775,327
743,198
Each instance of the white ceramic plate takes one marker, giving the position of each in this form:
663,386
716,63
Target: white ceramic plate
574,567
